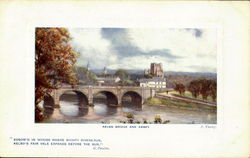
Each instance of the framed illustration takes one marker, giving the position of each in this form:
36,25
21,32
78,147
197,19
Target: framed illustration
124,79
126,75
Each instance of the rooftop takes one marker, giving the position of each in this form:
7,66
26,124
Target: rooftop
155,79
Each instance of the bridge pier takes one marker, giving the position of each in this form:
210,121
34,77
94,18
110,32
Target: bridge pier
90,100
119,91
119,101
55,95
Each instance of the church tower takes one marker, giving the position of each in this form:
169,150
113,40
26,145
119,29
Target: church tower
88,68
156,69
105,71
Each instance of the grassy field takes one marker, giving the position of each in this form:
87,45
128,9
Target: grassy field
189,94
159,101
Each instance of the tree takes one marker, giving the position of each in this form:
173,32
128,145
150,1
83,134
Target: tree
127,83
148,76
203,86
54,62
179,87
123,74
213,90
194,87
86,75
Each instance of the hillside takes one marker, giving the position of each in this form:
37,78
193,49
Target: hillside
171,76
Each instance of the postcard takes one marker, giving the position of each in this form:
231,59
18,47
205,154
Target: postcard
124,79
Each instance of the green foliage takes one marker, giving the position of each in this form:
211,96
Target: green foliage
166,121
144,120
157,119
84,75
130,119
154,101
189,94
148,76
195,88
205,87
179,87
159,101
127,83
129,115
123,74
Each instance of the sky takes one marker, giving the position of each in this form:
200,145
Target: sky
186,49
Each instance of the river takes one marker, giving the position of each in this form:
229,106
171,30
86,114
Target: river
69,112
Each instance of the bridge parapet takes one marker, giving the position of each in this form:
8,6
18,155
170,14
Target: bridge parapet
118,91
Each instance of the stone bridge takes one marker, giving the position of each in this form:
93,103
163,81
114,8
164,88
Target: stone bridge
114,94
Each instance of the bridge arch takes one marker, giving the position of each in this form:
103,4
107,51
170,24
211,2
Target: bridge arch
111,99
76,101
48,101
131,97
82,97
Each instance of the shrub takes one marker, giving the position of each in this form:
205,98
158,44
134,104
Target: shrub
158,119
129,116
166,121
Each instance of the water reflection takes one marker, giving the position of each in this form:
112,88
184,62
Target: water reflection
72,108
48,106
104,110
69,106
101,106
73,104
71,111
48,111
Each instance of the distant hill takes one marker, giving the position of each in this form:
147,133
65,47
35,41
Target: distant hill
111,71
200,74
171,76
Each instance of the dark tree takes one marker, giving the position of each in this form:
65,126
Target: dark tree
195,87
179,87
203,86
213,89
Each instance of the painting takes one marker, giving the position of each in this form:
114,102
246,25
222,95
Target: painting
126,75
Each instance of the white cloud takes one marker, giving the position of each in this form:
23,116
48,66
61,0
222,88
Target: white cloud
91,46
197,53
179,41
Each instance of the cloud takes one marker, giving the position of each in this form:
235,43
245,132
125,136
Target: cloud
186,49
192,46
123,46
91,47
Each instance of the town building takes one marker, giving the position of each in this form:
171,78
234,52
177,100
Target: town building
155,82
88,66
105,70
107,81
155,70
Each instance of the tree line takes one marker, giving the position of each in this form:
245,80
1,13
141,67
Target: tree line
204,87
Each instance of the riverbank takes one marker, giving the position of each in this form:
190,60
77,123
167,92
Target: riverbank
149,114
179,104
